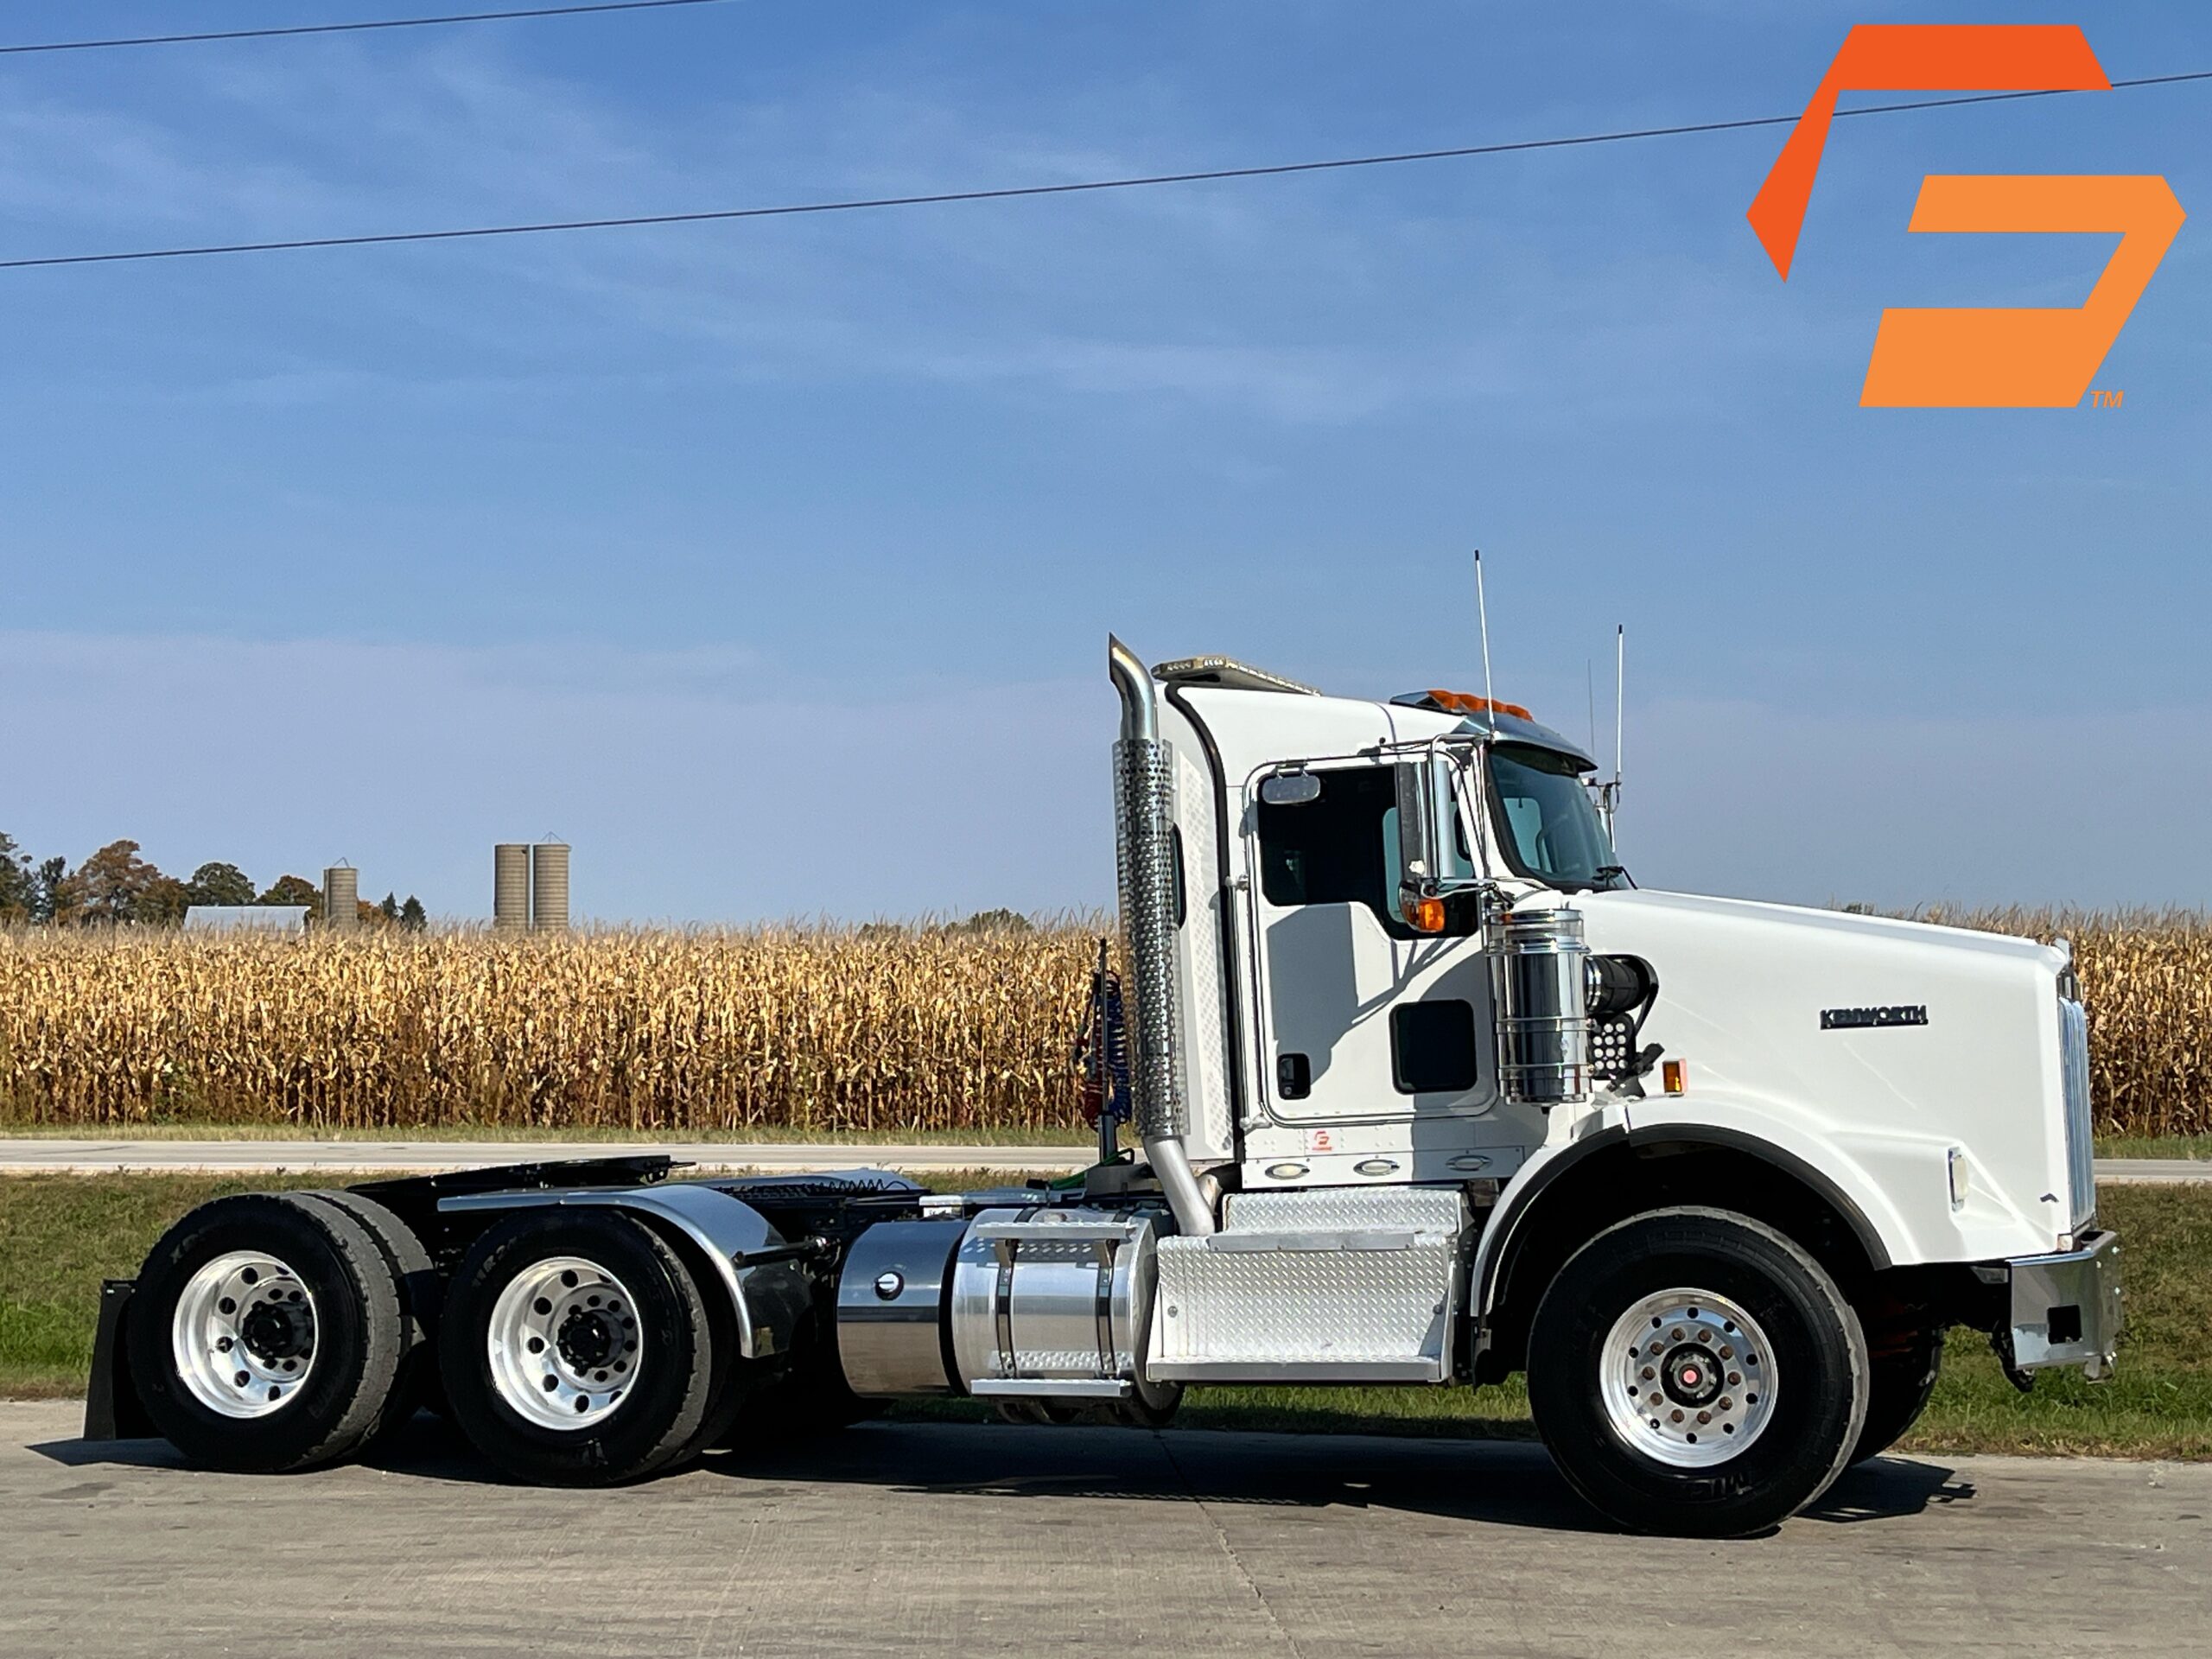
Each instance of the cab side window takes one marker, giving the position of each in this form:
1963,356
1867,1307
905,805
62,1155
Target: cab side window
1337,849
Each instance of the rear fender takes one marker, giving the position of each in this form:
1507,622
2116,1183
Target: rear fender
767,1299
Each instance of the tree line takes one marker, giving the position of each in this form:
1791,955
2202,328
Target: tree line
115,887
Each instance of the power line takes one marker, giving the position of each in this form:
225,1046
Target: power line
350,28
1138,183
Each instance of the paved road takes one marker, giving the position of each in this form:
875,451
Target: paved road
34,1155
960,1541
2159,1171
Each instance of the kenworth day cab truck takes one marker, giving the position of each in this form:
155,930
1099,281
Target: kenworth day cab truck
1428,1092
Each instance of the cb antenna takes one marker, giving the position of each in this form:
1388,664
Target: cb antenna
1620,692
1609,795
1481,616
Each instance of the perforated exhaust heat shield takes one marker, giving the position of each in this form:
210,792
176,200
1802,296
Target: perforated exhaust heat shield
1144,814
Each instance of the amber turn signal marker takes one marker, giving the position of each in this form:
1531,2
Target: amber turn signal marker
1675,1075
1423,915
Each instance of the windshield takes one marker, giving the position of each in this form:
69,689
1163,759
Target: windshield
1547,825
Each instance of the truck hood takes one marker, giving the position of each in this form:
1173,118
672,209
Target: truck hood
1897,1041
1803,924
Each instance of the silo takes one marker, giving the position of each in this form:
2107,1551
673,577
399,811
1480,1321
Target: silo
511,887
549,887
341,899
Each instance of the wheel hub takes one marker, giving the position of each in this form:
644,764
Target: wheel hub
243,1334
563,1344
277,1331
1686,1379
1691,1374
589,1340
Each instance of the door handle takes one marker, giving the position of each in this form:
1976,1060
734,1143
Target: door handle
1293,1076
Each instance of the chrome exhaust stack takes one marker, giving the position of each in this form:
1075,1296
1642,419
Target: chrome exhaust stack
1144,816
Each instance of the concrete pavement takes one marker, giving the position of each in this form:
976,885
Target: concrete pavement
32,1155
932,1539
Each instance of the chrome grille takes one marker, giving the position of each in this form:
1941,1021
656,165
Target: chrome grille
2081,1145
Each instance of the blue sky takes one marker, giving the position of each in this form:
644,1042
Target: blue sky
771,563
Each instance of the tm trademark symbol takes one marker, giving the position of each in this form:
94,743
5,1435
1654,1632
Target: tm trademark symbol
2105,399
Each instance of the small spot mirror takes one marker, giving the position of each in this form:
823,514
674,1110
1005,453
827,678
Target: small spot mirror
1290,789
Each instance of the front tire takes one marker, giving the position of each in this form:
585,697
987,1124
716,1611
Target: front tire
576,1350
1901,1373
1697,1373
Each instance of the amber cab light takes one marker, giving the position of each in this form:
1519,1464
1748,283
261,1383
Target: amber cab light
1675,1076
1423,915
1463,703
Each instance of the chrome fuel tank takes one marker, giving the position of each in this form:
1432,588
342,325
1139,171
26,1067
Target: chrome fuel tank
1051,1302
891,1307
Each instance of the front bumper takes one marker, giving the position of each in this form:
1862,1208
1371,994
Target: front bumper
2066,1308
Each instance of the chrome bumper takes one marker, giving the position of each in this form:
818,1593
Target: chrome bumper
2066,1307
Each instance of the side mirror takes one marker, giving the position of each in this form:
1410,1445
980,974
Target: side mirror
1418,901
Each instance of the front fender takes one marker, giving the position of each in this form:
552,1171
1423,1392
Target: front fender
1893,1190
768,1298
1893,1187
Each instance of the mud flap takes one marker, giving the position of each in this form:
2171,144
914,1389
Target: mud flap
112,1411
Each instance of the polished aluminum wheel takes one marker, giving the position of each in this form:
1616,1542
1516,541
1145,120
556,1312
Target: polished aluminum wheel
564,1343
243,1335
1688,1378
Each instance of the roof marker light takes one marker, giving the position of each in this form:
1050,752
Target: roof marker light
1465,702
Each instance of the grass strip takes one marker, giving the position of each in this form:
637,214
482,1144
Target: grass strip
61,1235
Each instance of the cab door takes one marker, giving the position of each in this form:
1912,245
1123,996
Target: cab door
1360,1018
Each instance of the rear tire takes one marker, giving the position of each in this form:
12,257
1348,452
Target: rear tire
417,1384
1695,1372
619,1381
267,1334
1901,1375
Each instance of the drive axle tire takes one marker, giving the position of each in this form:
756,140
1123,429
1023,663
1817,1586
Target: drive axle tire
576,1350
417,1385
267,1333
1695,1372
1901,1375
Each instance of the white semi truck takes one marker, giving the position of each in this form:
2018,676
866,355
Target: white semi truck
1428,1092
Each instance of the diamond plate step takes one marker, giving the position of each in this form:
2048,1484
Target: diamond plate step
1334,1285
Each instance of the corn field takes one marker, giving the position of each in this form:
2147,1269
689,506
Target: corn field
818,1030
810,1030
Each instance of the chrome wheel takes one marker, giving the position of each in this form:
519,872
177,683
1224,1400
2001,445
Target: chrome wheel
564,1343
243,1335
1688,1378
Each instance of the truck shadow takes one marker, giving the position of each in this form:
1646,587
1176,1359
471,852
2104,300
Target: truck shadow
1494,1483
